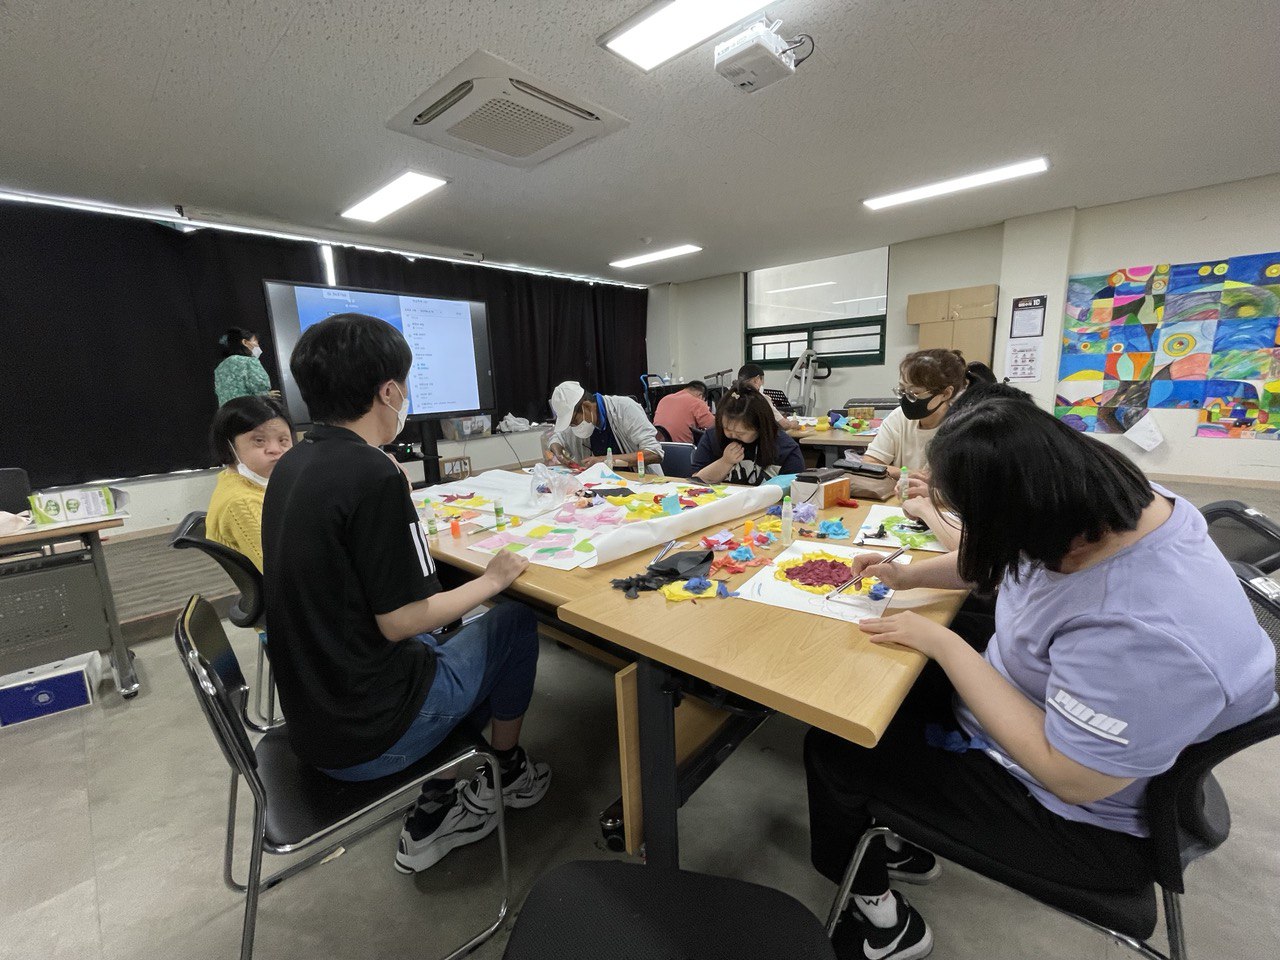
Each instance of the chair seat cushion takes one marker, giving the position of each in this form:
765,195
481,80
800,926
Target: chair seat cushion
592,910
1131,912
302,801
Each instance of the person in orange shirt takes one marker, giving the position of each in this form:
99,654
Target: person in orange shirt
679,412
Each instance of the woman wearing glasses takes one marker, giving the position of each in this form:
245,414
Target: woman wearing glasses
929,381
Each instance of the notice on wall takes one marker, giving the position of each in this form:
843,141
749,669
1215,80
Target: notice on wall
1027,318
1022,359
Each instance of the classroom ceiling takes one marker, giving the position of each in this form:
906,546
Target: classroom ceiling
276,110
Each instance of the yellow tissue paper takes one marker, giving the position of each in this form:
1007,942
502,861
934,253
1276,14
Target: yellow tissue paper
676,591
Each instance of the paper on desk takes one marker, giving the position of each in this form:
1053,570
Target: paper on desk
515,490
1145,433
892,519
766,587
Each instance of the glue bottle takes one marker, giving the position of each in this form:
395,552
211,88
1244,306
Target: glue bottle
499,515
433,529
455,527
640,462
608,457
904,483
786,520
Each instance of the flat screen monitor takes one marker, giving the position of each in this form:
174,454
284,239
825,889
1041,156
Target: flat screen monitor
451,375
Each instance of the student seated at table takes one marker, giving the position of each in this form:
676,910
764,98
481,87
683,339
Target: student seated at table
353,597
590,424
1121,636
680,412
249,435
746,445
752,374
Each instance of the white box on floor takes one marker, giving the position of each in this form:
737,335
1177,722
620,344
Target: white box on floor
51,688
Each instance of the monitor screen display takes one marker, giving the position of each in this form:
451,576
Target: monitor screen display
450,375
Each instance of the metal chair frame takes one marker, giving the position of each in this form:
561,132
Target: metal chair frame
223,695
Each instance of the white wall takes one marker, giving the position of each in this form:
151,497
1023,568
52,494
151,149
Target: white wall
695,328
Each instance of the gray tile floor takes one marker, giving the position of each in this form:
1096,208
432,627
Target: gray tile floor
112,818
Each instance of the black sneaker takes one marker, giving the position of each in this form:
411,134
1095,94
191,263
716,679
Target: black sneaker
908,939
849,934
913,864
428,835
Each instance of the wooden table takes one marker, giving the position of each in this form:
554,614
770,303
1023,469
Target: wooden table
63,560
828,441
818,670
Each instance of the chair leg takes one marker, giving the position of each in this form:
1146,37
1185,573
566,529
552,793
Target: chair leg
257,682
1173,923
491,762
251,888
846,885
271,696
229,853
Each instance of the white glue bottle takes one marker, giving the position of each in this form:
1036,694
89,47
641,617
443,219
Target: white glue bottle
640,462
904,483
499,515
786,520
608,457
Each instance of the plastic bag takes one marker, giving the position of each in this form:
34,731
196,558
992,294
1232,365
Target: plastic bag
513,424
549,488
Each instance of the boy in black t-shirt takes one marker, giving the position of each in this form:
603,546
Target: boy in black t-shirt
352,595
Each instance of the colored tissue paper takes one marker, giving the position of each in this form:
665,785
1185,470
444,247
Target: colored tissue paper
723,591
726,563
538,532
557,540
682,591
834,529
769,525
670,505
804,512
879,591
840,423
742,554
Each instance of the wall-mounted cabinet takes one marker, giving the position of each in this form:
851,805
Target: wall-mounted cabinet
963,319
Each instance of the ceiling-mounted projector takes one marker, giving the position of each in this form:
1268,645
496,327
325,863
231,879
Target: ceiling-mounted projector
756,57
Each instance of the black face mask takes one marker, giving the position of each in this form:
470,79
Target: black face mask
916,409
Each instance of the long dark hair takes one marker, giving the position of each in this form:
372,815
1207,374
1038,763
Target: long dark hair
1026,485
232,343
749,407
240,415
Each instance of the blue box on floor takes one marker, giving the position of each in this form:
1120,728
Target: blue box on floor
51,688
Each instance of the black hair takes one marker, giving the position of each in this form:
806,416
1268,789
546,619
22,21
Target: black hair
697,386
976,372
231,342
1026,485
983,391
748,406
341,362
240,415
749,371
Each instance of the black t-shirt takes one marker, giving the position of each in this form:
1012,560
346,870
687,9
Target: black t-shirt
342,542
787,458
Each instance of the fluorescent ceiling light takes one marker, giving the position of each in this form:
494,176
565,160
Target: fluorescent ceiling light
666,30
806,286
326,258
859,299
1038,165
667,254
401,191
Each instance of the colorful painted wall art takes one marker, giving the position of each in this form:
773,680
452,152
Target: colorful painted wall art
1203,336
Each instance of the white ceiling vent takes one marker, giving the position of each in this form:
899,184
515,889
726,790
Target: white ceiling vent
489,108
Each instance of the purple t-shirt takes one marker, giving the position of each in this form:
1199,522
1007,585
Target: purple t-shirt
1133,659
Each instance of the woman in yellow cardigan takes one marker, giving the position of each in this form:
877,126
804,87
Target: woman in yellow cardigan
249,435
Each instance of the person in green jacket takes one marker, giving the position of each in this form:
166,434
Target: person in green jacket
241,374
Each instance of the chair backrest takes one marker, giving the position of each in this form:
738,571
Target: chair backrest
247,611
677,459
219,685
1244,534
1186,808
664,434
15,487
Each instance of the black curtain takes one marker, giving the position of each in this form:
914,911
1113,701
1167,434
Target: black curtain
110,329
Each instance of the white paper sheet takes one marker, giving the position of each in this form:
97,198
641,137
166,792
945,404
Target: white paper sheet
1146,432
888,516
1022,359
766,587
514,489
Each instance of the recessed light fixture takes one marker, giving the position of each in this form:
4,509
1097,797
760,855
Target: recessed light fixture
667,29
403,190
806,286
943,187
667,254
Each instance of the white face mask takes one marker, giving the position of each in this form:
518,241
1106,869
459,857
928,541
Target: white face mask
403,413
249,474
256,352
583,430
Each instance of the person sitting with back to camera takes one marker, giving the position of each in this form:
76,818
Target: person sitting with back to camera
752,374
249,435
680,412
589,425
353,600
746,445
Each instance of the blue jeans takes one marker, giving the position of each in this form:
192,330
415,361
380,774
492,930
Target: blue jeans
484,670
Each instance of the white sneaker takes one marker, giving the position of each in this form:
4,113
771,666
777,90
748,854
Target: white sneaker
526,787
464,822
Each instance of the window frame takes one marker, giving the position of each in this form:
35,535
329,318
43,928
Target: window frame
876,323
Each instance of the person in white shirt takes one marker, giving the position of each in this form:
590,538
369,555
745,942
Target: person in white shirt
929,381
752,375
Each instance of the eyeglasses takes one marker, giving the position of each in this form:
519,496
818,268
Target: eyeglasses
905,393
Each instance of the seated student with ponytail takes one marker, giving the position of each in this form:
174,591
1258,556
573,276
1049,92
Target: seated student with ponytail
929,381
249,435
745,446
1120,637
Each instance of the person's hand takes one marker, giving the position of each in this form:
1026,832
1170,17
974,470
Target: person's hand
505,567
895,576
733,453
918,508
909,629
917,487
561,456
592,461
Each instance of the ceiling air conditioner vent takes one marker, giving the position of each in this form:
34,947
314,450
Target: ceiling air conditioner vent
489,108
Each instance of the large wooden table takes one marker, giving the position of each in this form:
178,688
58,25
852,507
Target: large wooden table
822,671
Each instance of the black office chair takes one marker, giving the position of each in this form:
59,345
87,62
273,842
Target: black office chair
677,459
664,435
15,488
296,807
1264,595
592,910
249,607
1244,534
1186,811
